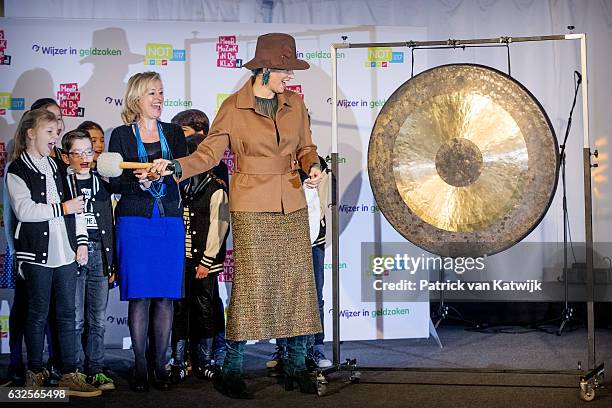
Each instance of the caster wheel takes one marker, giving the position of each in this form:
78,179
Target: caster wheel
587,394
355,377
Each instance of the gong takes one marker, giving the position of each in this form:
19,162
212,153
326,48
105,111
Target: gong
463,160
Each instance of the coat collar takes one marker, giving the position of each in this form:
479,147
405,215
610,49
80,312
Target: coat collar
245,99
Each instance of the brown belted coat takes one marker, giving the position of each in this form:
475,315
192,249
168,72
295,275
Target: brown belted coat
265,177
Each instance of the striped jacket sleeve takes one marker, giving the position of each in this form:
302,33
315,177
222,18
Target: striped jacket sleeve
81,229
26,210
219,224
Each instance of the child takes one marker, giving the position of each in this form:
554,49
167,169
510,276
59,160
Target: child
48,239
97,139
16,370
92,282
200,316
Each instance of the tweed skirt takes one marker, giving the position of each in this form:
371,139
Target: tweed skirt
273,291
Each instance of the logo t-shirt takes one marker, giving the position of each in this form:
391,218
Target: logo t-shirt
85,188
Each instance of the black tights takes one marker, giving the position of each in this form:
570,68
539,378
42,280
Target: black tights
139,312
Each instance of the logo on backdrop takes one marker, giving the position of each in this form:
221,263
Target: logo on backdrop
2,164
229,160
362,208
227,50
118,320
220,98
341,160
68,97
297,89
381,57
319,54
374,313
228,156
4,59
228,267
8,102
177,103
359,103
161,54
55,51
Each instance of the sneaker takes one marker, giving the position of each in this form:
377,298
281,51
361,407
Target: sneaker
209,372
77,385
178,373
36,379
320,360
101,381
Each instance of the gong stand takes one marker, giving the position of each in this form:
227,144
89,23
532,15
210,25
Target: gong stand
590,380
444,311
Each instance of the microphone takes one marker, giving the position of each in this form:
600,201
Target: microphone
112,165
579,76
72,182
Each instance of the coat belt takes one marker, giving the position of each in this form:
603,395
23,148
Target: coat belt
266,165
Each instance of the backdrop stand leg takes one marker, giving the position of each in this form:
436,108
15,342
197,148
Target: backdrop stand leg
434,333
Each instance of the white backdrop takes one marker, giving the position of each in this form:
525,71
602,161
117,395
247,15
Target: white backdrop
198,67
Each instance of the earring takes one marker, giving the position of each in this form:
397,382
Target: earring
265,77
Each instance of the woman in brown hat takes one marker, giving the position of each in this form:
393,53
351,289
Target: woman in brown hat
268,130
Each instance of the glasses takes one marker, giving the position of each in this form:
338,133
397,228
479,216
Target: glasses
82,154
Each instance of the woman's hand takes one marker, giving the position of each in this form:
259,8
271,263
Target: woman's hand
143,179
159,167
314,178
74,206
81,257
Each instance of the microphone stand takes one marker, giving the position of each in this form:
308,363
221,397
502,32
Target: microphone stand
567,315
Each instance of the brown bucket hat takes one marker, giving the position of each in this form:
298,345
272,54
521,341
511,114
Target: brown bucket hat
276,50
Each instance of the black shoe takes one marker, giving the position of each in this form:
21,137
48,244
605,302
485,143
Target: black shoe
178,373
275,364
311,364
139,384
306,383
54,376
163,384
15,375
209,372
232,386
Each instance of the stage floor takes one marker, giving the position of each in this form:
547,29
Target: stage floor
510,348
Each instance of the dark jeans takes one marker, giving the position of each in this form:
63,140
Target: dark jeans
91,301
42,283
17,325
17,321
318,260
159,310
296,361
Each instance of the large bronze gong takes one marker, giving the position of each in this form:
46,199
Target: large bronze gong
463,160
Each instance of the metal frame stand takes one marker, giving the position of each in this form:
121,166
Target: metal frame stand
444,311
591,379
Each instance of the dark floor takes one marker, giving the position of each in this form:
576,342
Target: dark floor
508,348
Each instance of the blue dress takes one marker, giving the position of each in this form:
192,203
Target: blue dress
151,253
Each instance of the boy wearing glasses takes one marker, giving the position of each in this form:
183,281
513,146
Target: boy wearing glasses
93,278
